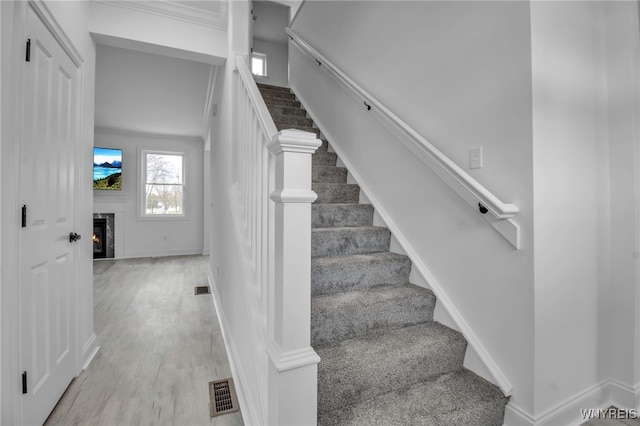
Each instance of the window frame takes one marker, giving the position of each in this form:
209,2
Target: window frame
142,186
263,56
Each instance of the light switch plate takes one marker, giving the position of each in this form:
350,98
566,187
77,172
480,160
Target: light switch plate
475,158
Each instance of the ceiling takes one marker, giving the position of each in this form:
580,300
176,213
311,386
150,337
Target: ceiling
149,93
270,20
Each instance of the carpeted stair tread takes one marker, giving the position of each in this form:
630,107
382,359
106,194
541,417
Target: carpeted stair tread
274,102
336,193
347,315
324,146
459,398
283,126
355,370
268,94
328,174
327,242
324,158
358,272
277,110
341,215
292,120
272,87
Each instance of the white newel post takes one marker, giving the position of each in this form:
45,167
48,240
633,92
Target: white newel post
292,389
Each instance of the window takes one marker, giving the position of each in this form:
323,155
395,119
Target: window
163,184
259,64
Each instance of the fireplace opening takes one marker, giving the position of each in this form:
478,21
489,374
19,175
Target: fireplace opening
99,238
103,235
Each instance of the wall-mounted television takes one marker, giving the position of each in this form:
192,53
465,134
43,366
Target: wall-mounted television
107,168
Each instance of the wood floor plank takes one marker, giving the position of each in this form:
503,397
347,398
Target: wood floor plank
160,346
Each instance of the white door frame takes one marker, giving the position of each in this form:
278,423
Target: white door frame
10,408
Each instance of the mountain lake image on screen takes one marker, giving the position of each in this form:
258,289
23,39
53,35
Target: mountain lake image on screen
107,168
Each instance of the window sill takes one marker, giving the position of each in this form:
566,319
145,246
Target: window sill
163,218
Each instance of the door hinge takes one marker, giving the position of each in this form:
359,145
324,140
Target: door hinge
24,382
24,216
28,50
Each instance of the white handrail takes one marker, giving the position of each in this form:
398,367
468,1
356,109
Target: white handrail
266,122
460,181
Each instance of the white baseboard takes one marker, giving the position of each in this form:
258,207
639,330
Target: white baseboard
247,407
567,413
161,253
515,416
89,351
624,396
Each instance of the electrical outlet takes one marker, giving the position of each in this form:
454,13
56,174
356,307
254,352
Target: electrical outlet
475,158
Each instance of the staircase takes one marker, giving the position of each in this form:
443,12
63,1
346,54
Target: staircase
384,361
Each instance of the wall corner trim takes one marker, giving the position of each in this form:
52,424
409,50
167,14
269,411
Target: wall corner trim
516,416
42,10
287,361
89,351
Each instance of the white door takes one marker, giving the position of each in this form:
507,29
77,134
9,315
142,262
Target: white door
47,149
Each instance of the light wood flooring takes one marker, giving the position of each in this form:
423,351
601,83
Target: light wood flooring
160,346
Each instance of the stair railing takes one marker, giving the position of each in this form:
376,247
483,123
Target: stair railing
271,200
476,195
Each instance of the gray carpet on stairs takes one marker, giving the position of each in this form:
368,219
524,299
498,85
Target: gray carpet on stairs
328,242
459,398
345,315
336,193
357,272
328,174
341,215
384,361
398,357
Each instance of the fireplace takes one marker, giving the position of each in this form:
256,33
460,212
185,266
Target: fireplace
99,238
103,235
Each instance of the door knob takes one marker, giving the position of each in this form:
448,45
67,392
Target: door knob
73,237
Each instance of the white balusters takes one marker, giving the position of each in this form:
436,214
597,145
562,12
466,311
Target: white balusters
272,191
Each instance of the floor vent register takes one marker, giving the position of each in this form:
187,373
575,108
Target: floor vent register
202,289
222,396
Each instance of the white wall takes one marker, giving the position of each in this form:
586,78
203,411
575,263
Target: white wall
149,93
623,312
585,91
154,237
277,62
460,74
151,30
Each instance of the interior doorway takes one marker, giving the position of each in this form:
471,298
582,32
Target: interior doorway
270,43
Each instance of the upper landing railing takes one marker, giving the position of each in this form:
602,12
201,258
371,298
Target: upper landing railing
476,195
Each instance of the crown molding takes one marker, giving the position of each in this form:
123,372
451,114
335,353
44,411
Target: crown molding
141,134
175,10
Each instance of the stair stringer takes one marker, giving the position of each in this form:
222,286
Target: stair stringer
477,358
